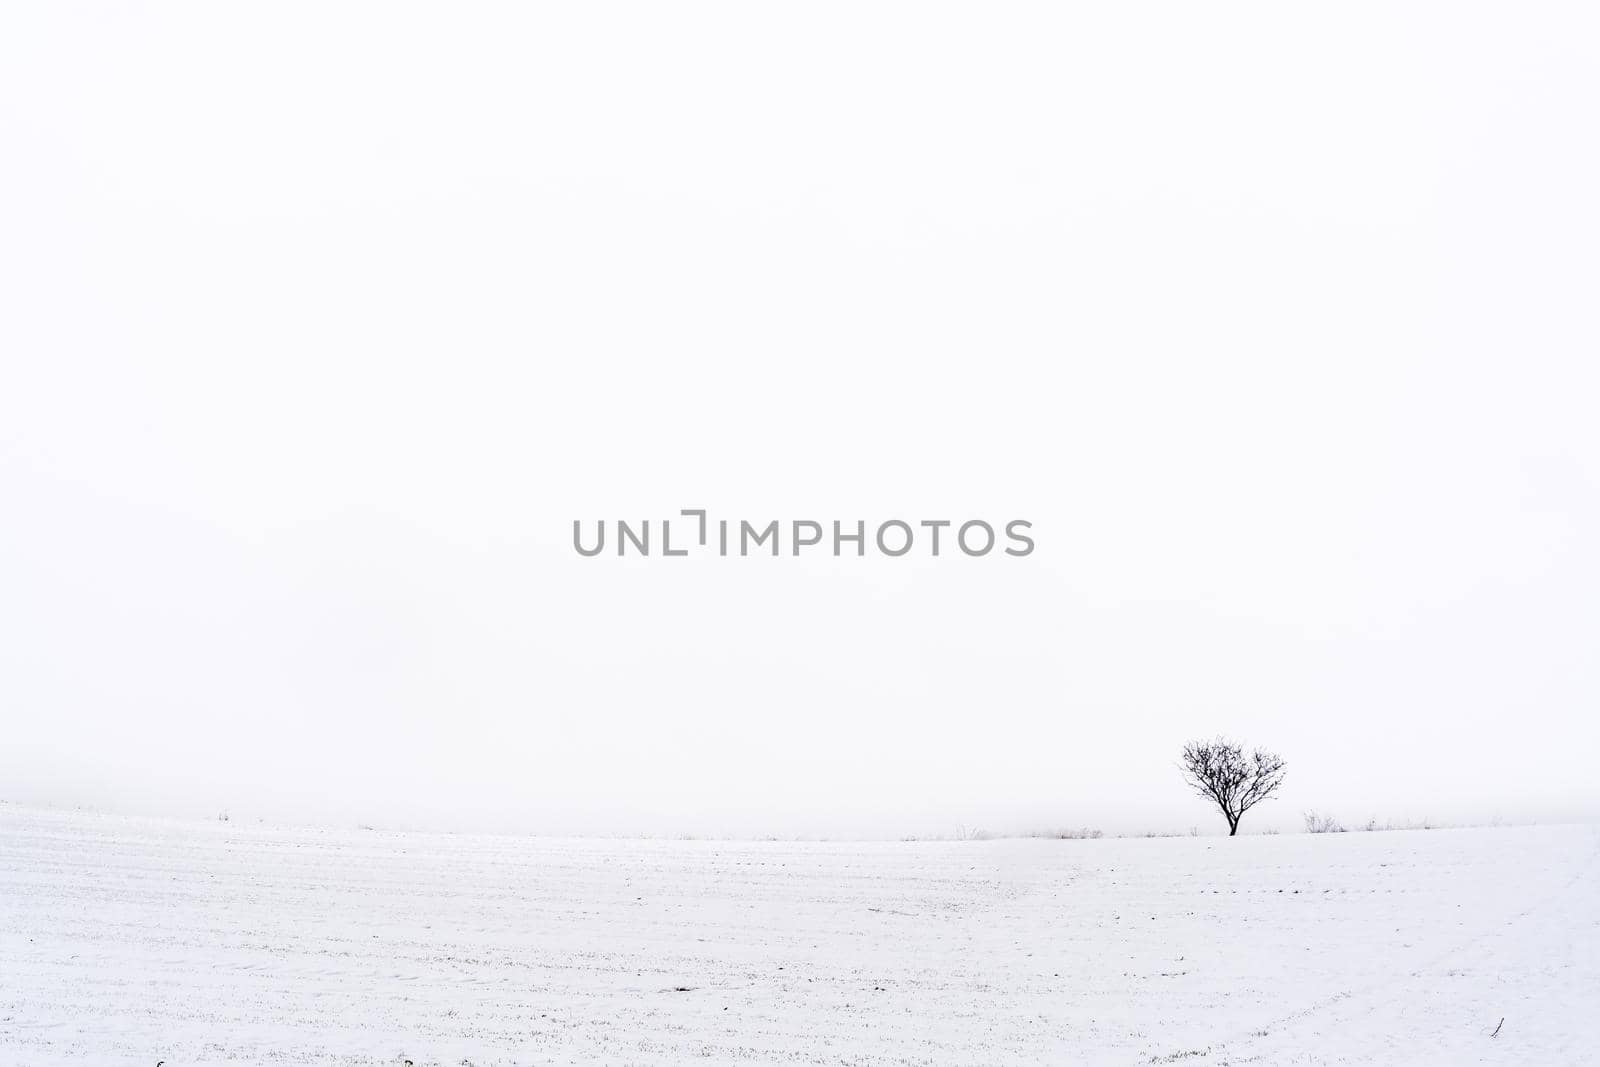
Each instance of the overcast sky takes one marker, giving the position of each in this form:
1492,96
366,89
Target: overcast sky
319,324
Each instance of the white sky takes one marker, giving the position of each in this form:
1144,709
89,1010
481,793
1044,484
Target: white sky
320,323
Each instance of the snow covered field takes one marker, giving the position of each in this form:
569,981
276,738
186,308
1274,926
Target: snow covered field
127,941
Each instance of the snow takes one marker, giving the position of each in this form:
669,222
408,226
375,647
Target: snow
128,940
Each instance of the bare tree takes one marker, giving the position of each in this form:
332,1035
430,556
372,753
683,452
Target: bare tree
1224,774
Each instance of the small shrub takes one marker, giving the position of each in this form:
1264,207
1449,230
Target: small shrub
1322,824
